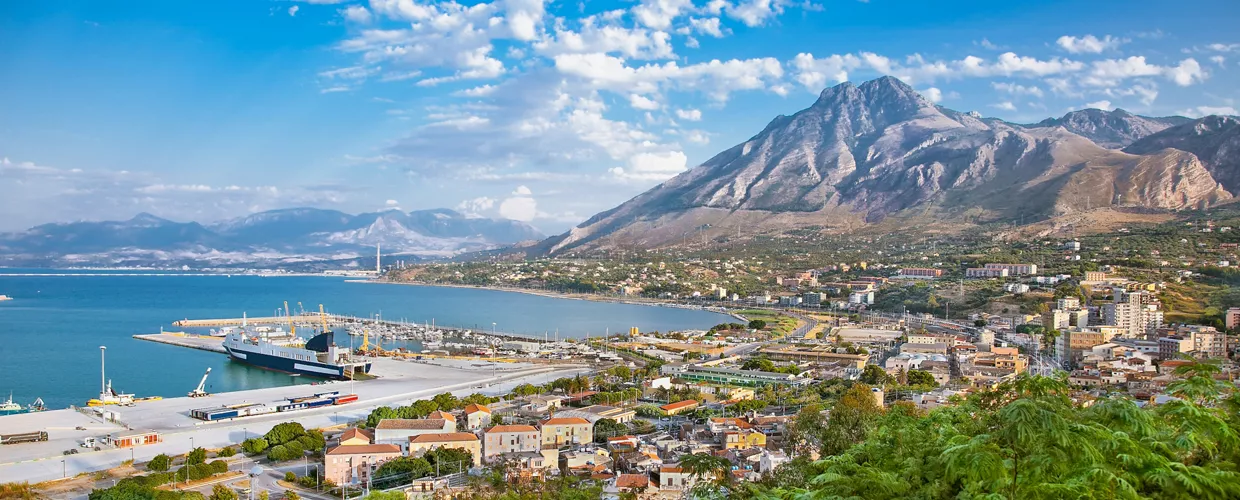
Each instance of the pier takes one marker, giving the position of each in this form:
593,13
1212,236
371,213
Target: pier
200,342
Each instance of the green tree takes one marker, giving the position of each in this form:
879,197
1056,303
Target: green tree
291,495
757,324
196,456
284,432
705,466
759,364
446,401
875,375
221,492
605,428
400,471
290,477
385,495
263,495
450,460
161,463
254,446
921,377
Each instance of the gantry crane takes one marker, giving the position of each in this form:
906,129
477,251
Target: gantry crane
199,392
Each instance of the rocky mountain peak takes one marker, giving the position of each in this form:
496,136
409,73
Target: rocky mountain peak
1113,129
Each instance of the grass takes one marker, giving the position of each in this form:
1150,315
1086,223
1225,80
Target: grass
779,324
22,490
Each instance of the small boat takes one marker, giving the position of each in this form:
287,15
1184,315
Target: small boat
9,406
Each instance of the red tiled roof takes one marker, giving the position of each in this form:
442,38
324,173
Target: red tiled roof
442,415
443,438
475,408
680,404
566,421
364,449
512,428
632,481
354,432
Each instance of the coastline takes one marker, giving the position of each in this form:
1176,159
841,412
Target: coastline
563,295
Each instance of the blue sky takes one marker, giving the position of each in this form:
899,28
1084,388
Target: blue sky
546,112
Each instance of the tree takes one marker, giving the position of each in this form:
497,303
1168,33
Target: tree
605,428
759,364
851,419
401,471
446,401
284,432
385,495
757,324
254,446
160,463
291,495
263,495
707,466
196,456
290,477
980,323
221,492
450,460
875,375
921,377
226,452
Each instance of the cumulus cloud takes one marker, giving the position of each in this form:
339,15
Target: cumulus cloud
356,14
652,166
641,102
755,12
706,26
1104,105
659,14
1016,89
476,206
1006,106
292,11
718,79
1110,72
814,72
932,94
1201,111
692,115
520,205
599,35
1089,44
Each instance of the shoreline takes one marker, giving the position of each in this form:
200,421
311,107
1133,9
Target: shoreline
561,295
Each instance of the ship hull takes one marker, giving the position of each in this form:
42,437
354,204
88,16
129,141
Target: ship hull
298,367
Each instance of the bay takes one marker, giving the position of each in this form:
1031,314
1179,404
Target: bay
51,332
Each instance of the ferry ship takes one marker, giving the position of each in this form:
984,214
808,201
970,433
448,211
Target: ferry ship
319,357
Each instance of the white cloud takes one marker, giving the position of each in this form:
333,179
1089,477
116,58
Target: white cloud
706,26
1104,105
1110,72
520,206
1219,60
1089,44
600,36
988,45
292,11
1006,106
718,79
480,91
659,14
697,137
391,205
692,115
755,12
932,94
523,18
813,73
356,14
1016,89
1201,111
476,206
652,166
1224,47
638,101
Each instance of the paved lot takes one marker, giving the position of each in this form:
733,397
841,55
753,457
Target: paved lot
401,382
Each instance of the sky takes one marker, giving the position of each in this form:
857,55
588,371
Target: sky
544,112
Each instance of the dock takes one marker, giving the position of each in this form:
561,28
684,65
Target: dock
307,319
201,342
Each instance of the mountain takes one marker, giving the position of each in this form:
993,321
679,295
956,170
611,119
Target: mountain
273,237
861,154
1112,129
1215,140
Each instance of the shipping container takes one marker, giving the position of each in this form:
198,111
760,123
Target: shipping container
317,403
26,437
291,407
347,398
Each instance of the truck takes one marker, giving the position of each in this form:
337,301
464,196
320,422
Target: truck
25,437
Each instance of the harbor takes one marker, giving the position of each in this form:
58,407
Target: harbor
400,382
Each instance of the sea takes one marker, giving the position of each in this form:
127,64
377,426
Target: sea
50,333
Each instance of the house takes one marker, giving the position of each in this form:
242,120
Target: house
677,408
477,417
419,445
562,431
442,415
355,436
543,403
743,439
627,482
507,439
585,462
638,461
673,478
353,464
397,431
771,460
595,413
622,444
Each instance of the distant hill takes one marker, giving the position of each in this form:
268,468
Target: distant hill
862,154
272,237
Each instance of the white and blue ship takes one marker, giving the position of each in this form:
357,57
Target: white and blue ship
319,357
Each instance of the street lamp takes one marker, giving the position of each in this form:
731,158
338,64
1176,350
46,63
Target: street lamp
64,469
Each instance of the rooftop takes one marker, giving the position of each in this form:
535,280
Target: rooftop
475,408
364,449
566,421
411,423
449,437
512,428
680,404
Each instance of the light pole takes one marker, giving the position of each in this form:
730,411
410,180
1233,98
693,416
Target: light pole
64,469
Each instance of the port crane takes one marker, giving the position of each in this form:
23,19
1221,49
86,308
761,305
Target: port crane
199,392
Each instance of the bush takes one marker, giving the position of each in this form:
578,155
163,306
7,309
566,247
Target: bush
221,492
161,463
290,495
196,456
226,452
285,432
290,477
290,451
219,467
757,324
254,446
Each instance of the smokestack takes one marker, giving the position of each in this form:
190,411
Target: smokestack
378,259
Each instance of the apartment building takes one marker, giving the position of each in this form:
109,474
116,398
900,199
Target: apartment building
1015,269
506,439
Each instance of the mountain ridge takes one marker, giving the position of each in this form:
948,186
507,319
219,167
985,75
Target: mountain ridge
862,153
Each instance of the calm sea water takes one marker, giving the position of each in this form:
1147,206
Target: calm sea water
51,333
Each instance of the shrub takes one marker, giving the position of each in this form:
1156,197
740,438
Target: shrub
219,467
226,452
290,477
161,463
221,492
285,432
291,495
196,456
254,446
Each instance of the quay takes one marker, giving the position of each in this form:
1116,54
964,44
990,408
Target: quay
201,342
